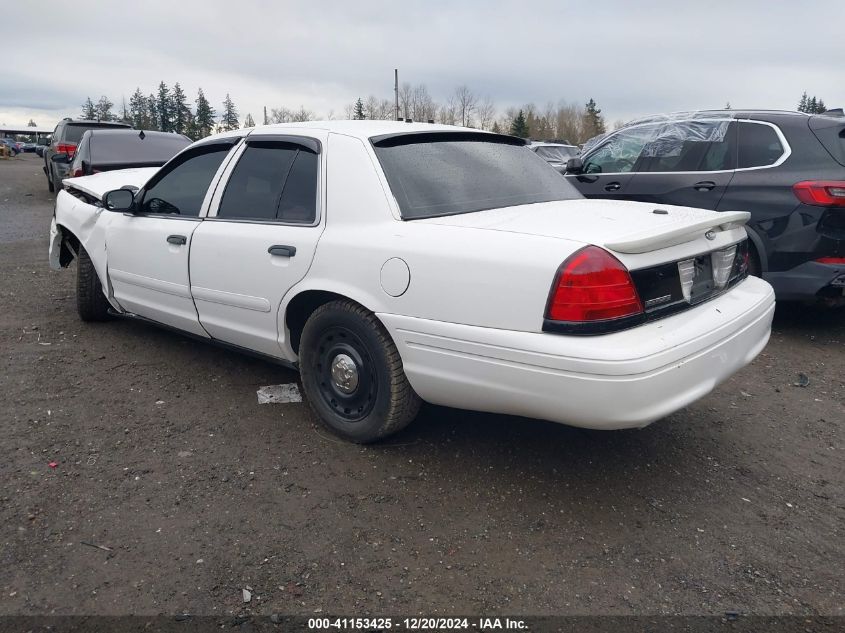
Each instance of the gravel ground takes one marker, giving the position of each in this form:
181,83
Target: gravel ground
736,503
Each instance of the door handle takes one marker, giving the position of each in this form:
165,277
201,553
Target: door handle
177,239
704,185
282,251
613,186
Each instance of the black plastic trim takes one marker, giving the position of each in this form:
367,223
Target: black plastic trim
435,136
307,142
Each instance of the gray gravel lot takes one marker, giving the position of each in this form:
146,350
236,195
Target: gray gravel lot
164,457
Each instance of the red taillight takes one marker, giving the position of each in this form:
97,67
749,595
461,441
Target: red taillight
821,193
66,148
592,285
839,261
76,173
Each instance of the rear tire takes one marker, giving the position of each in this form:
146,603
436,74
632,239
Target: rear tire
91,303
352,373
49,172
754,267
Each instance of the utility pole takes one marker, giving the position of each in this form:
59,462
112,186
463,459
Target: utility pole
266,120
396,90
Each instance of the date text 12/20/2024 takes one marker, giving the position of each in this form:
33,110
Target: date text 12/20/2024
415,624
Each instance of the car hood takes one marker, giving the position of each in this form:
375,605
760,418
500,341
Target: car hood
626,227
98,184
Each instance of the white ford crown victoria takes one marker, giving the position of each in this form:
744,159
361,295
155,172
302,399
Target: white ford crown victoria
392,263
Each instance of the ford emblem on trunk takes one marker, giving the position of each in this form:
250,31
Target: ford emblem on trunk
710,235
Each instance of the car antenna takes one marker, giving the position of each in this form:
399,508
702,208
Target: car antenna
142,135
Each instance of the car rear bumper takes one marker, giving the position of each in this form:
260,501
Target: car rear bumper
621,380
808,281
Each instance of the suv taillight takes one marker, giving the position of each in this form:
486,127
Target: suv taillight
592,285
66,148
821,193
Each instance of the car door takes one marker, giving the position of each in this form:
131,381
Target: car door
689,163
608,168
147,250
258,241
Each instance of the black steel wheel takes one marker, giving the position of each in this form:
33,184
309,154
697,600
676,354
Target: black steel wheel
352,373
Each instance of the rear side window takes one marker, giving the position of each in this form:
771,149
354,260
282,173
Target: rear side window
759,145
182,189
273,181
439,174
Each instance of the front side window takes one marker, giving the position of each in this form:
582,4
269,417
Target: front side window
437,174
759,145
273,181
182,189
619,154
685,146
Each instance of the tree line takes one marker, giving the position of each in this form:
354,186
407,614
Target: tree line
166,110
169,110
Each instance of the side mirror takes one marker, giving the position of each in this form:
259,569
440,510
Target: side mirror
119,200
59,158
574,166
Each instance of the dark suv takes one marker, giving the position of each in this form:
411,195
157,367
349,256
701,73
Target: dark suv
786,168
59,153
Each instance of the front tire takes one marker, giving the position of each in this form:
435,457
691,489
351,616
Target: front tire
352,374
91,303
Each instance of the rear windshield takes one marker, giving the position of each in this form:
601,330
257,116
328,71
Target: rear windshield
433,175
73,133
131,148
831,133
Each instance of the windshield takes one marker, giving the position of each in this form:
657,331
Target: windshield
434,175
128,147
556,153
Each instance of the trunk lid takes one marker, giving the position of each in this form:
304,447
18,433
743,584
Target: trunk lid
620,226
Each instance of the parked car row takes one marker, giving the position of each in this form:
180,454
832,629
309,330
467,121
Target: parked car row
786,168
82,148
393,263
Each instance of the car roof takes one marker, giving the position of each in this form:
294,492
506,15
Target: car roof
365,129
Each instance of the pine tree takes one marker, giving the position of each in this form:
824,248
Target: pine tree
248,121
179,111
31,124
138,111
229,118
519,127
496,129
152,112
820,107
358,113
164,108
593,120
103,109
88,111
802,105
204,118
812,105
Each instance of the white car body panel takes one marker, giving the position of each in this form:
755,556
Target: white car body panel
462,296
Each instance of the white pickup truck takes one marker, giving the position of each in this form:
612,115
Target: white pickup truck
392,263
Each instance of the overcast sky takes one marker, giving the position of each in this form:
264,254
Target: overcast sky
633,58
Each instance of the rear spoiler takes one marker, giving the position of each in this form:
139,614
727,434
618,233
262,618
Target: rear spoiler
655,239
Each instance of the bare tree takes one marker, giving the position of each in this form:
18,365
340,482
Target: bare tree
486,113
465,104
406,98
447,113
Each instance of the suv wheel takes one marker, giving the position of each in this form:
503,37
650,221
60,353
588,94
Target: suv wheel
352,373
49,171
